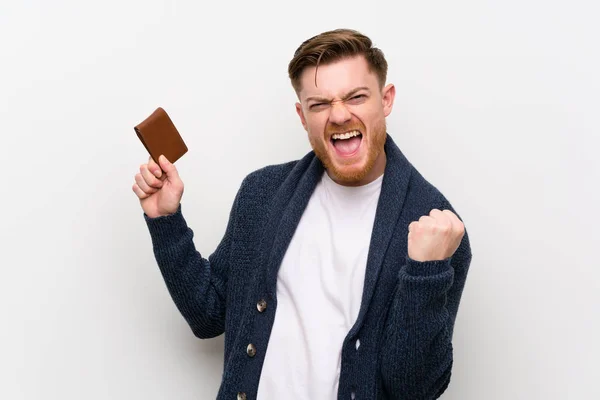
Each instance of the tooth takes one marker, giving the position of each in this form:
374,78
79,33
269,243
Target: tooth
347,135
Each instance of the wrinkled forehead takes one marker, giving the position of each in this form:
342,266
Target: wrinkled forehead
334,80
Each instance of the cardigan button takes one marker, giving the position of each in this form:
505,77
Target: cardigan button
241,396
251,350
261,306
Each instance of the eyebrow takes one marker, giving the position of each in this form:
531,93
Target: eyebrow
346,96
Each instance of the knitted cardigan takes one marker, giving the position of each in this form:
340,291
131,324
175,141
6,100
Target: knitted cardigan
408,308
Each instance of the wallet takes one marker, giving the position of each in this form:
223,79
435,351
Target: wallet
159,136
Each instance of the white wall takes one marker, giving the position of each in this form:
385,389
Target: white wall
497,105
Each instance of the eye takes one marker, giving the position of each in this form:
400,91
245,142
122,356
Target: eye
317,106
359,98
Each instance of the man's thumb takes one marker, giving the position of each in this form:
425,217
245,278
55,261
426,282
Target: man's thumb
167,166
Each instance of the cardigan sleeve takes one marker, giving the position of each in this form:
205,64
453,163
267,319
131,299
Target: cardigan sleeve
197,285
416,354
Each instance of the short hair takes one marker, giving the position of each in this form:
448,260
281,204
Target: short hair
332,46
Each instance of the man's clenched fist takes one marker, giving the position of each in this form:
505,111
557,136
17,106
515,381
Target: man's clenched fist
159,193
435,237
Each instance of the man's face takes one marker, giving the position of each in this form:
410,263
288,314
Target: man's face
344,116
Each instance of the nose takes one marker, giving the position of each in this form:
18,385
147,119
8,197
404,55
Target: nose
339,114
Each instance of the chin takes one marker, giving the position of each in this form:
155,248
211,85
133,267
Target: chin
350,173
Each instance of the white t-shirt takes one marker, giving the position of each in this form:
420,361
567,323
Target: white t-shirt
319,291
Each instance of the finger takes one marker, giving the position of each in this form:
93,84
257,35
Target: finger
452,216
143,185
441,218
139,192
435,212
412,226
149,177
426,220
457,224
154,167
168,167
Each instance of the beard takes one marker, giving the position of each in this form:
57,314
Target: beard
375,142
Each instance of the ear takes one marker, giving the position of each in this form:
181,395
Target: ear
301,115
387,98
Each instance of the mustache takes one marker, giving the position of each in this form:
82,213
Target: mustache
332,130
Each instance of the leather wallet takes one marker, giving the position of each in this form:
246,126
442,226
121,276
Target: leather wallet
159,136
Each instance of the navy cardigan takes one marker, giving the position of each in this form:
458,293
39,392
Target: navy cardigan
408,308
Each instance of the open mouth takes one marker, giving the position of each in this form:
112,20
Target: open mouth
346,144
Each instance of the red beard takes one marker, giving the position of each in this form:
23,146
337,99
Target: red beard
341,172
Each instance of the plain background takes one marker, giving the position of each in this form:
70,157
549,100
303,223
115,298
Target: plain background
497,105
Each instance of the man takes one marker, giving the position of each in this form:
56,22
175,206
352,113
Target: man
340,274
